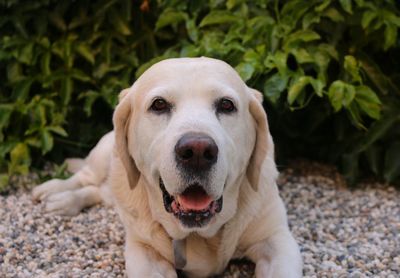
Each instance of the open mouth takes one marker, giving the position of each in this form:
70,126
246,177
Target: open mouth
193,207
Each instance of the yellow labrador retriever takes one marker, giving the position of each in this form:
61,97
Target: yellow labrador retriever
190,169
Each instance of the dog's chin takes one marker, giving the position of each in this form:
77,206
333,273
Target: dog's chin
193,207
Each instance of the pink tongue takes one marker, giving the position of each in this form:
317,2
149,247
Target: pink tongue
194,200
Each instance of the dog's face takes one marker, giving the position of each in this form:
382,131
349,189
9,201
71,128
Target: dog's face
190,132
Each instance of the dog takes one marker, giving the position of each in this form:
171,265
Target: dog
190,169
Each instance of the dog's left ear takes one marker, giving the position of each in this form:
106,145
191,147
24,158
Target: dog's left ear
121,120
261,145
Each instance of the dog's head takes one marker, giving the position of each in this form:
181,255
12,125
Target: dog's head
194,132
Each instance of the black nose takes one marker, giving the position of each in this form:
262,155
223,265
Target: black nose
196,151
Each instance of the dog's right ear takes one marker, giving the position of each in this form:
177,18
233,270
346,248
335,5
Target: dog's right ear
121,120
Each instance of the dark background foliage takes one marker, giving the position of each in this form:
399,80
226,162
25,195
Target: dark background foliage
329,71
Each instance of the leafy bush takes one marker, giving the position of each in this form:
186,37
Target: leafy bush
328,69
63,64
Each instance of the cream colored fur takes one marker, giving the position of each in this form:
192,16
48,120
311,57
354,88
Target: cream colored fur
124,169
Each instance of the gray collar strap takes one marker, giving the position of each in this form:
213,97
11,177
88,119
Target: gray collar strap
179,246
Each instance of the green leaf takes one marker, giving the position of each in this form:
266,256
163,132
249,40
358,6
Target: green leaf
367,94
66,90
39,119
80,75
368,101
377,131
21,90
310,19
277,60
390,36
318,86
57,48
274,86
58,130
84,50
170,17
300,36
20,159
193,32
302,55
355,116
58,21
5,113
14,72
47,141
33,141
390,17
231,4
189,51
367,18
90,97
253,57
26,53
245,70
263,21
104,68
119,23
218,17
68,57
44,42
346,5
341,94
45,63
297,87
352,67
104,6
392,162
333,15
293,10
322,6
329,50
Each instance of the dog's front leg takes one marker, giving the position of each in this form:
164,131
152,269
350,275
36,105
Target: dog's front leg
143,261
277,257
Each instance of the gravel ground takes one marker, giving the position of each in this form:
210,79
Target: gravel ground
341,232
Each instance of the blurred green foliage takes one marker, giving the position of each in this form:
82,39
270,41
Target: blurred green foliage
329,71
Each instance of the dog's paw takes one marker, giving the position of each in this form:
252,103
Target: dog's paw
43,191
64,203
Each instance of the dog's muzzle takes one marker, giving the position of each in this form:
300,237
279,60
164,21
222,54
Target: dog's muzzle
193,207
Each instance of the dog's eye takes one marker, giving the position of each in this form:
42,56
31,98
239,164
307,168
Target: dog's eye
225,105
160,105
